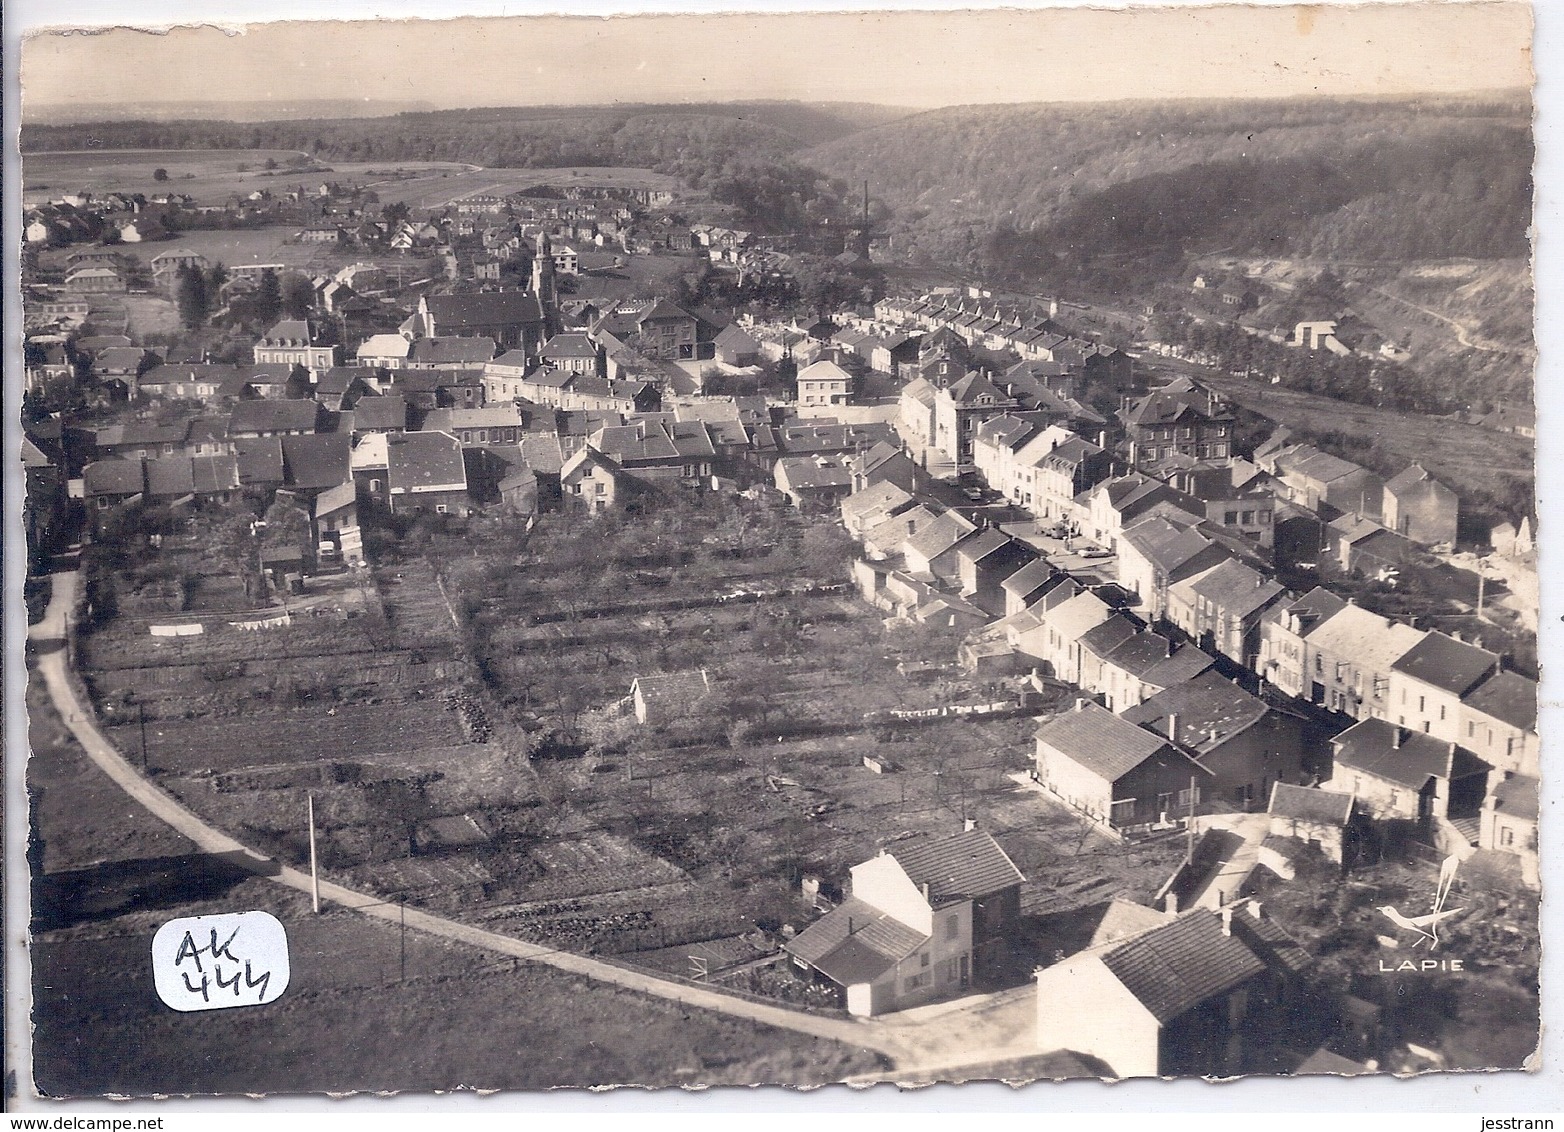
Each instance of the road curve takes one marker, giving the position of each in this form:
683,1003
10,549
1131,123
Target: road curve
48,638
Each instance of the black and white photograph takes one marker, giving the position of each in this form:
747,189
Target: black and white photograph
698,550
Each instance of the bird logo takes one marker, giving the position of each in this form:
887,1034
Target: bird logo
1427,926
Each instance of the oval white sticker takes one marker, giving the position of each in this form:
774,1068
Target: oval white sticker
218,962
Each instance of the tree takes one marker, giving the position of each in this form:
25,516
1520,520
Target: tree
191,297
298,297
160,175
267,300
215,279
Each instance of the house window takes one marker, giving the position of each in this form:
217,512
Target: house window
913,982
1230,518
1422,702
1506,837
1441,711
440,508
923,960
374,487
1471,728
602,489
952,926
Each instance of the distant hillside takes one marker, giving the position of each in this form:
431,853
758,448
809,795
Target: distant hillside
251,111
1035,192
676,138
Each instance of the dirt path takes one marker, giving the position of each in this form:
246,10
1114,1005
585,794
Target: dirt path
1462,335
913,1041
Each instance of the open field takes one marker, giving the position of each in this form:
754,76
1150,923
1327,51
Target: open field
436,193
208,175
614,839
1461,455
234,246
109,875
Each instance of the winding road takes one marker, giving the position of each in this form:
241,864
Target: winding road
970,1031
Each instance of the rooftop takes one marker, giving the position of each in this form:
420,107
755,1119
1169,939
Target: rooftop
1307,803
1100,741
1173,968
1447,663
969,864
1373,748
1508,697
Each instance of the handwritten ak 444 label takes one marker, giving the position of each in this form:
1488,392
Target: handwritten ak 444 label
218,962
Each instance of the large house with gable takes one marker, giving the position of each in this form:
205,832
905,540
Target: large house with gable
925,919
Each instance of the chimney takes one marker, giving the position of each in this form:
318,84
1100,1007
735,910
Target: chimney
1173,726
1080,703
1395,741
1255,910
924,887
969,825
1167,643
1227,920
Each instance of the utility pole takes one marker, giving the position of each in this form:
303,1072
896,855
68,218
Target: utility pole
1189,824
314,867
401,916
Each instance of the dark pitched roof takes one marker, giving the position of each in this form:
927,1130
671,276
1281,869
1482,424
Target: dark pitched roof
1210,711
855,943
260,459
1370,747
211,474
1027,580
1234,588
317,460
1107,638
446,351
1100,741
273,416
1316,606
1517,795
488,309
1447,663
170,477
1507,696
113,477
1307,803
969,864
424,459
1174,968
388,411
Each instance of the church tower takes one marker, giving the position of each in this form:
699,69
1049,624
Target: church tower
543,285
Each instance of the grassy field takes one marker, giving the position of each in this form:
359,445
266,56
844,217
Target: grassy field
276,244
435,184
206,174
106,876
1463,456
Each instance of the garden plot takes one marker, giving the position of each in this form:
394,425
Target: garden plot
594,863
186,746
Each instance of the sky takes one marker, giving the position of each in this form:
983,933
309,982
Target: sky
898,57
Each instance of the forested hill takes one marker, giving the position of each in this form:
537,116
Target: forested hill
679,139
1031,190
